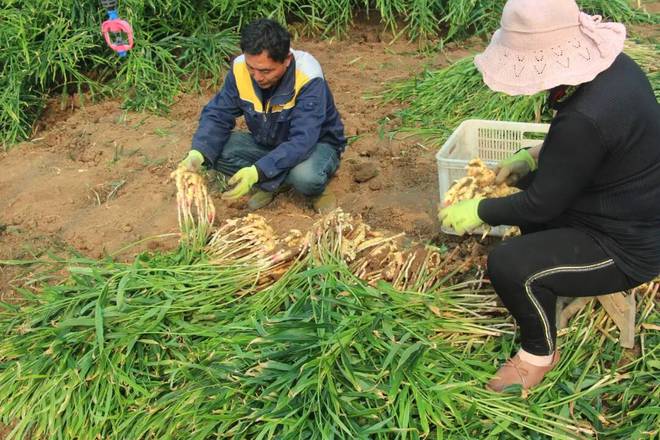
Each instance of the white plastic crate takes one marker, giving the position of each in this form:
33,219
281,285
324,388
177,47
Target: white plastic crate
491,141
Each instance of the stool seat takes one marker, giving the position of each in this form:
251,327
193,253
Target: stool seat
619,306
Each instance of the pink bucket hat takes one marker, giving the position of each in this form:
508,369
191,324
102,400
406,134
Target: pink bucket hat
545,43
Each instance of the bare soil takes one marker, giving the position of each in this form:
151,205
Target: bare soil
94,178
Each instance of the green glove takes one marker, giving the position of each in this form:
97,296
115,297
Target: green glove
193,161
462,216
515,167
243,180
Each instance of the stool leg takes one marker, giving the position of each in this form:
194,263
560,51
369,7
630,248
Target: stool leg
559,308
563,314
621,308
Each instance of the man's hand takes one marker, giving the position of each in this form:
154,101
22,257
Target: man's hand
193,161
515,167
243,180
461,216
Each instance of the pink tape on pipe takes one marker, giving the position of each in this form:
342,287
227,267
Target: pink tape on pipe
116,25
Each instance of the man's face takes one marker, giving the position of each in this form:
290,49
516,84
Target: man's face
265,71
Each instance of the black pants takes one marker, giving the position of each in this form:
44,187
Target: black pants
529,272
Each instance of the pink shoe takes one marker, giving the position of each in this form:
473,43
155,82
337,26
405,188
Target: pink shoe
515,371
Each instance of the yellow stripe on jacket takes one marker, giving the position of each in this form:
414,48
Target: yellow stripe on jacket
307,68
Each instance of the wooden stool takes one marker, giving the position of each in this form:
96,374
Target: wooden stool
619,306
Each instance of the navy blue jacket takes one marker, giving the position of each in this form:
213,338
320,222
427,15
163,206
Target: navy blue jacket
300,113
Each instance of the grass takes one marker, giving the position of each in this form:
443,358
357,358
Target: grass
53,47
205,345
438,101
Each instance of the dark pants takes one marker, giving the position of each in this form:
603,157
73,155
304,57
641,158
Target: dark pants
309,177
529,272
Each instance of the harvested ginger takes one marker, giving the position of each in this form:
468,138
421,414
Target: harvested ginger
195,208
479,182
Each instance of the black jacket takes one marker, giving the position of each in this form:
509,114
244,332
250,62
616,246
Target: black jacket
599,171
